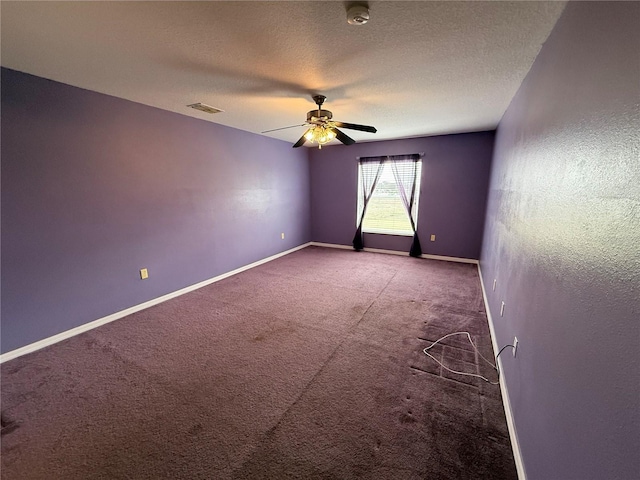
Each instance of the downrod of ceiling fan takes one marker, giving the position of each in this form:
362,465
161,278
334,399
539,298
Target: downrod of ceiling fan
319,99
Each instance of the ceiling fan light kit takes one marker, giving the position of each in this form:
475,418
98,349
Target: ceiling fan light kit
320,135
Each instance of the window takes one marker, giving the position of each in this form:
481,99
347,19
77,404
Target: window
386,212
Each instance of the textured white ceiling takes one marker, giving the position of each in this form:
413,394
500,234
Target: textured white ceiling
417,68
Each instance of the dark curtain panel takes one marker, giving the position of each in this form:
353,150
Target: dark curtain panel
370,169
405,170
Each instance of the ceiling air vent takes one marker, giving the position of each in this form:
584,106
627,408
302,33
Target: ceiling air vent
205,108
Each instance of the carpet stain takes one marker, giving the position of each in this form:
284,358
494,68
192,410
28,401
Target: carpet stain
7,425
276,331
15,368
196,429
407,418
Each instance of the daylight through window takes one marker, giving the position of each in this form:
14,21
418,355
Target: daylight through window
386,212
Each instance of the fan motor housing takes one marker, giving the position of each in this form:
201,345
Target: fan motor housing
316,115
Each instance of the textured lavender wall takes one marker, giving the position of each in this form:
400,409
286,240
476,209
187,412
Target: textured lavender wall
562,239
455,178
95,188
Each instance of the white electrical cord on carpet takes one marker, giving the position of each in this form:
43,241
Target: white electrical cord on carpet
495,366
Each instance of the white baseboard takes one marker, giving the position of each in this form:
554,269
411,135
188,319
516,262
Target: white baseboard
331,245
450,259
515,445
396,252
45,342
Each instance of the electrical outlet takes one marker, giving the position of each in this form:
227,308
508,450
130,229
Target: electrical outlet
502,309
282,235
144,273
433,238
494,284
515,345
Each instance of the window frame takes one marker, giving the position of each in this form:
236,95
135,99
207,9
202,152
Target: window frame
414,210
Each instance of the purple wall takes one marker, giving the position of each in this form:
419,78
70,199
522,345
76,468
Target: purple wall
95,188
562,238
455,178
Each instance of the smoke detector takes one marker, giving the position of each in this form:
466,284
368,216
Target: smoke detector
357,15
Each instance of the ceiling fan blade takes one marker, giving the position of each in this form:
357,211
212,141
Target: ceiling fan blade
353,126
300,142
283,128
346,139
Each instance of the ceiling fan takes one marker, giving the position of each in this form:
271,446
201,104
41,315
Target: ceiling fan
322,129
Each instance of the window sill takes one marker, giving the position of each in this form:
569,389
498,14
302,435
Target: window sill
399,233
